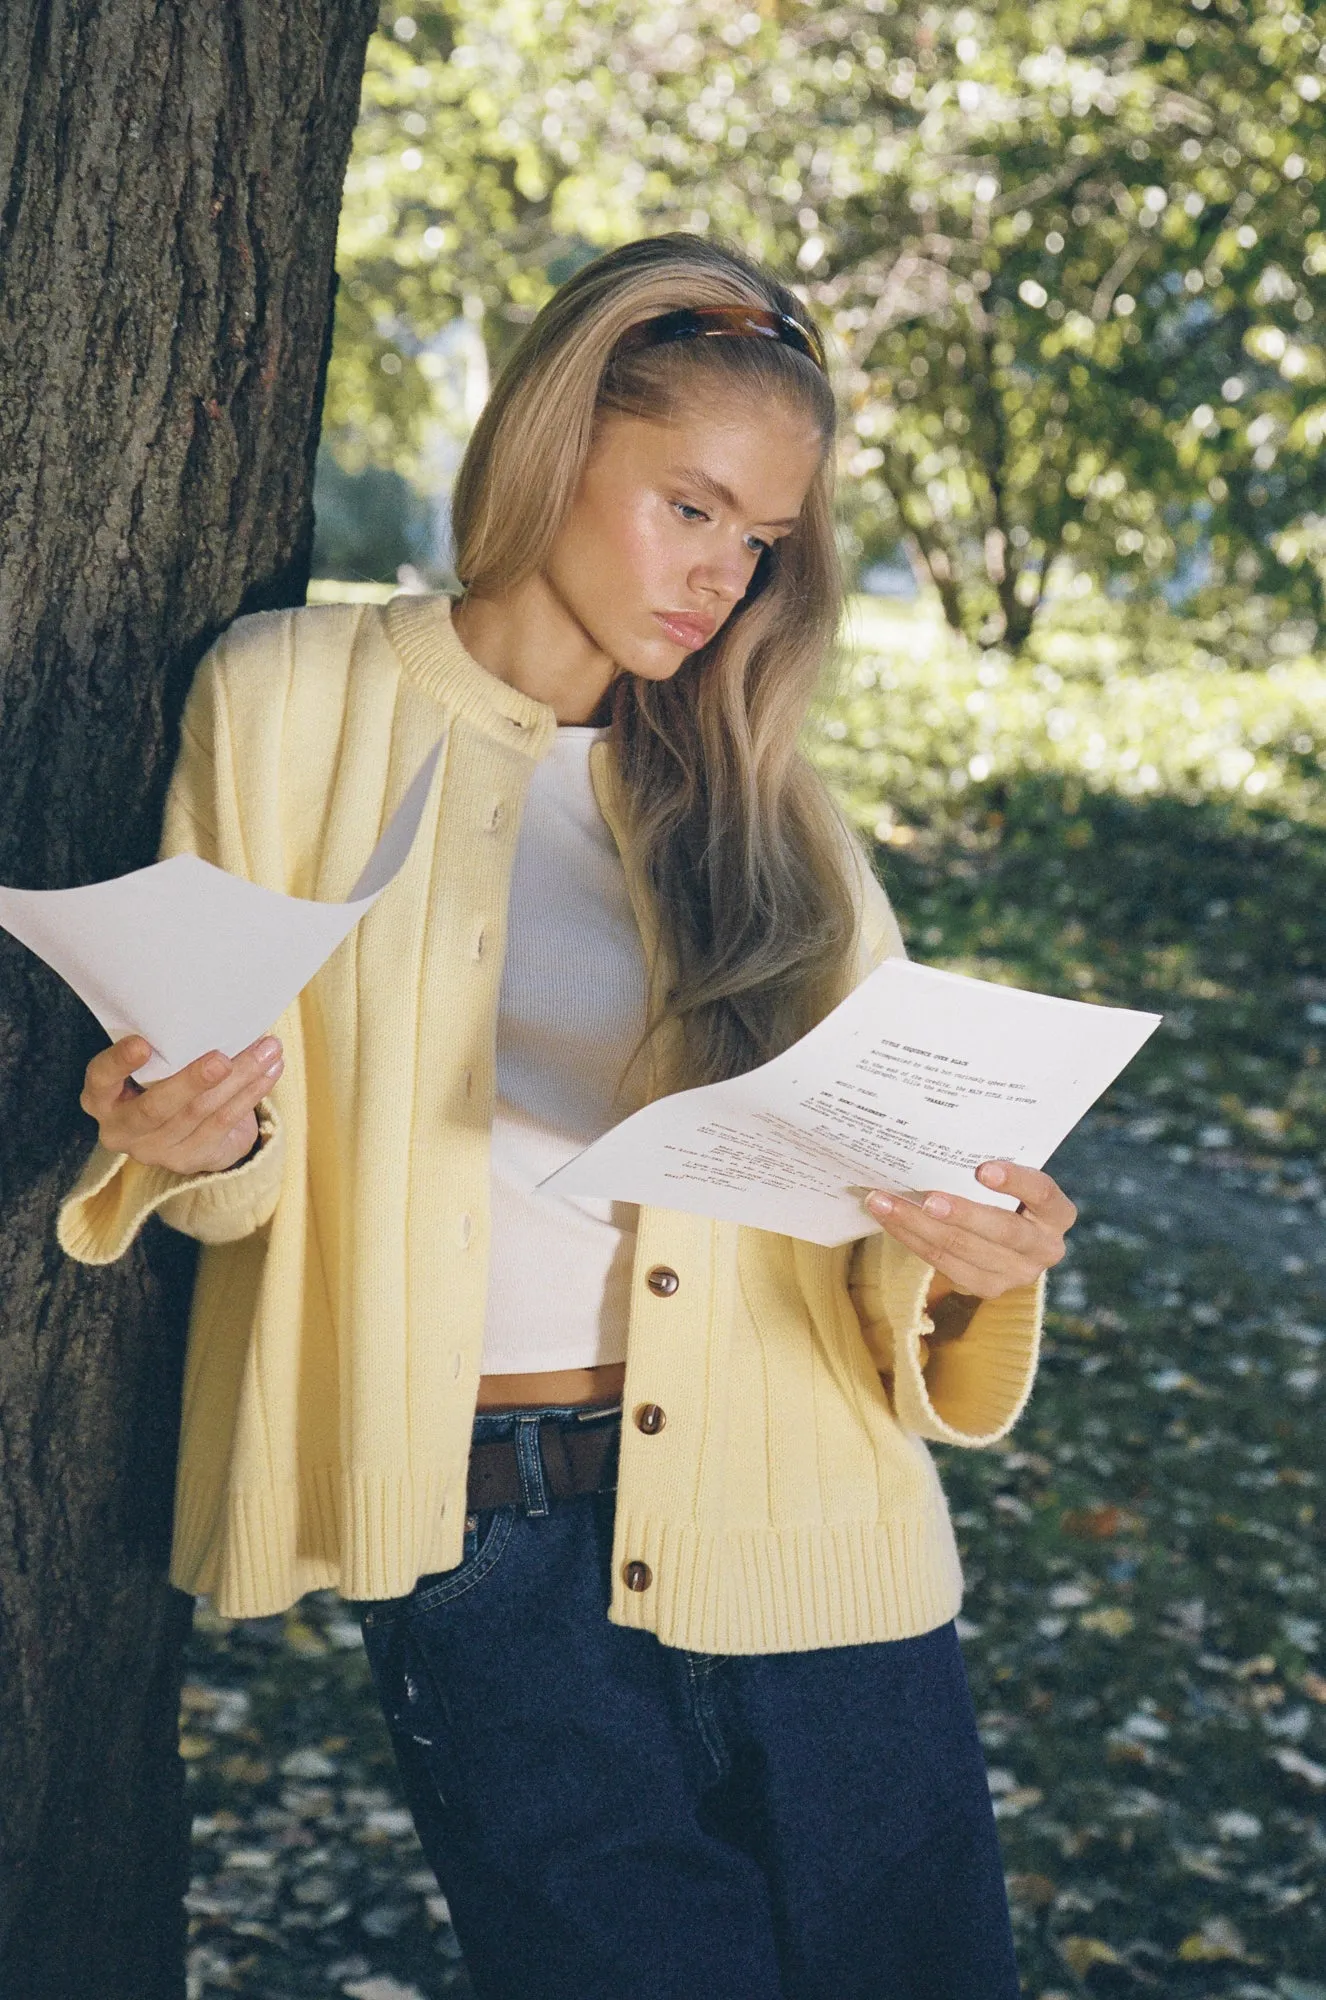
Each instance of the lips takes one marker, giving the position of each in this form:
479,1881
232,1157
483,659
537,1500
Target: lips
688,628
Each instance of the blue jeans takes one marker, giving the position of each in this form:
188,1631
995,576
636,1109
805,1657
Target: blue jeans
613,1819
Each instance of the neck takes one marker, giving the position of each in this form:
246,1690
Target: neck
530,640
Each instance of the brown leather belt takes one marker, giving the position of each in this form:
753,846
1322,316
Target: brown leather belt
574,1461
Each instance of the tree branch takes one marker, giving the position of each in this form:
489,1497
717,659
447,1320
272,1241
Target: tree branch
940,567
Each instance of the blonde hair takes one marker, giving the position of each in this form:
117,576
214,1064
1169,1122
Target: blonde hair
729,826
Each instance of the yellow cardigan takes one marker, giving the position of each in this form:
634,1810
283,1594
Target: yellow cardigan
337,1325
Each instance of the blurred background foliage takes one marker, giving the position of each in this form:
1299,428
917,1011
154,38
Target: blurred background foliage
1071,257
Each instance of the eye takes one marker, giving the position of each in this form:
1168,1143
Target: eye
757,545
689,513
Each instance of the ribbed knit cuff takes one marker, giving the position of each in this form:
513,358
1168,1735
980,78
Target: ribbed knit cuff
114,1195
972,1390
965,1391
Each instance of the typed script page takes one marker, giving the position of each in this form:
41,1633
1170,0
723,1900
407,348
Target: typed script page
909,1085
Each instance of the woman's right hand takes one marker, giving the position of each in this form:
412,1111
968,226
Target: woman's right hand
199,1121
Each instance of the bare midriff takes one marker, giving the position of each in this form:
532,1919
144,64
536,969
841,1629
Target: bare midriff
571,1386
575,1387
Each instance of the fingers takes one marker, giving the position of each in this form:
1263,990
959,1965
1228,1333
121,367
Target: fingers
179,1105
205,1154
205,1125
971,1228
983,1249
108,1072
973,1263
1038,1194
184,1120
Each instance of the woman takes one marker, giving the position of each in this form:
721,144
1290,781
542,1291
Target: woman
656,1578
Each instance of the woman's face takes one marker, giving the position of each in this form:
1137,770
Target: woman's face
668,523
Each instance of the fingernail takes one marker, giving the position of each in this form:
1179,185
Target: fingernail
214,1069
267,1049
879,1204
273,1070
992,1174
937,1204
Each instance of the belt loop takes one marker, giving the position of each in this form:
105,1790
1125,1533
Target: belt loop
529,1461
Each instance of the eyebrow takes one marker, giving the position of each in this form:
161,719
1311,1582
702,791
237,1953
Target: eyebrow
704,482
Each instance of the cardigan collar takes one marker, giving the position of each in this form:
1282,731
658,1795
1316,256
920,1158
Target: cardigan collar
426,641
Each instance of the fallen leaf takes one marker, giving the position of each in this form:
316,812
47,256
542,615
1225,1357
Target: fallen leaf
303,1639
1300,1766
1100,1524
1217,1940
307,1764
243,1770
380,1987
1081,1953
1111,1619
1018,1801
1033,1892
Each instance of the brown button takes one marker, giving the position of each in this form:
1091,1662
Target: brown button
637,1576
650,1418
662,1282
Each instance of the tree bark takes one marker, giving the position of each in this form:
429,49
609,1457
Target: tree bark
169,187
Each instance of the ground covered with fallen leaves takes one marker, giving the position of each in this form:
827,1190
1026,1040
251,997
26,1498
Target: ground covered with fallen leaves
1146,1612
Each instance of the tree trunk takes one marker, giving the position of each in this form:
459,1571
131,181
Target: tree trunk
169,186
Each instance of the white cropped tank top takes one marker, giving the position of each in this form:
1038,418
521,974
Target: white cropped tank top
570,1016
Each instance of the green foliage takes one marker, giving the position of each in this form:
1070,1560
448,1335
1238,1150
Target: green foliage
920,720
1071,255
1147,832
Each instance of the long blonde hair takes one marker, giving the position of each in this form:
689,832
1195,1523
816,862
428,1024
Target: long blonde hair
729,826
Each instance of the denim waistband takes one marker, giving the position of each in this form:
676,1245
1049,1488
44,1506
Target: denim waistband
494,1426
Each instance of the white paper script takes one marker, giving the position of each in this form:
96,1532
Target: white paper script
909,1085
191,957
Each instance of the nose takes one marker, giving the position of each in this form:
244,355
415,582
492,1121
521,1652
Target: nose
726,576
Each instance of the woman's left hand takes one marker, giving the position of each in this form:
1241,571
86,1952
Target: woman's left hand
984,1251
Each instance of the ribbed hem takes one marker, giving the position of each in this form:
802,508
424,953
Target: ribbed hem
788,1590
753,1591
256,1552
114,1195
420,629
